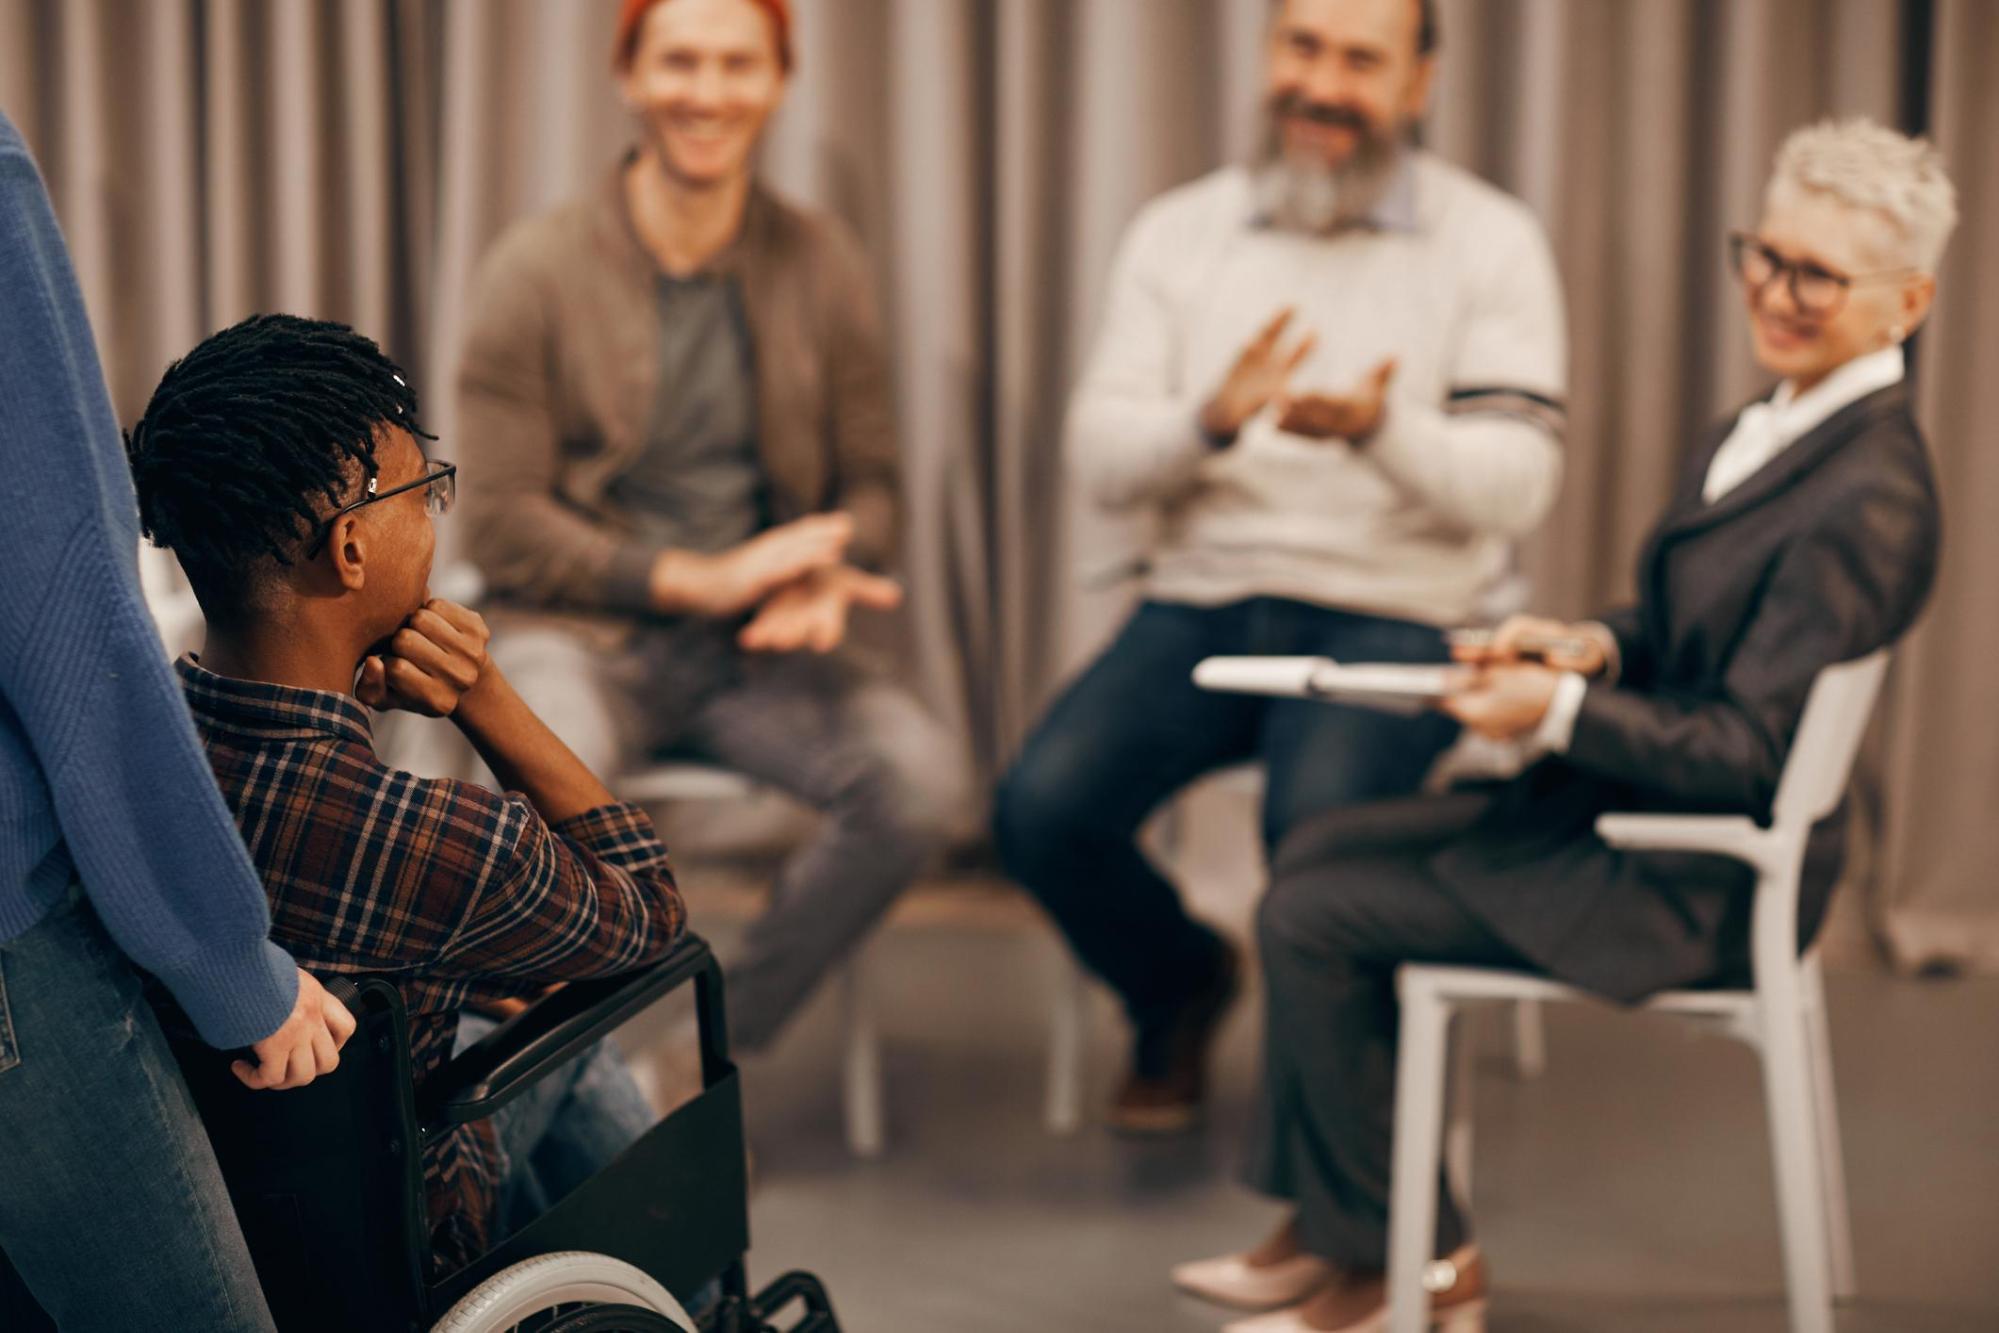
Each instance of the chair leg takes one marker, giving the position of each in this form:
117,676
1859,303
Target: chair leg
1068,1048
1459,1121
1832,1165
1419,1124
1787,1078
862,1075
1530,1039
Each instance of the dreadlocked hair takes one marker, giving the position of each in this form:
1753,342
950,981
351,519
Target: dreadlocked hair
253,438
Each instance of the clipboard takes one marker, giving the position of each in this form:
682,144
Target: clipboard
1395,687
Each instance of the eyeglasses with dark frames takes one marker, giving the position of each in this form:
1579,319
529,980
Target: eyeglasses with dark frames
440,483
1815,289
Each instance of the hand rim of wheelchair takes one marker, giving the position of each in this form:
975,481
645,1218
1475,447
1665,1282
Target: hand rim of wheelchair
538,1285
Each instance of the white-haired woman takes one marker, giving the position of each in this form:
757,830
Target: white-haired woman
1804,534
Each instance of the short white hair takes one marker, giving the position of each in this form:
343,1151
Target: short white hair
1867,166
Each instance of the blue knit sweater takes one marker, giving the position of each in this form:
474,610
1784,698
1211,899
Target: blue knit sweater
101,777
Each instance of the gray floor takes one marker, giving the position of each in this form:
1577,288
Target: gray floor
1628,1189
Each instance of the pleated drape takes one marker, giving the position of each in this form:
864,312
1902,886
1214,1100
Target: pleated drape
354,158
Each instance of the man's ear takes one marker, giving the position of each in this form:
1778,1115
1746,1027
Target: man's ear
347,553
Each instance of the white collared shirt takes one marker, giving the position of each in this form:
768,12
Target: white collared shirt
1762,432
1766,429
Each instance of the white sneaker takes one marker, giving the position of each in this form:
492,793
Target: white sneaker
1233,1281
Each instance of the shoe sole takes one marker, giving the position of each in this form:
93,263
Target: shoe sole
1244,1304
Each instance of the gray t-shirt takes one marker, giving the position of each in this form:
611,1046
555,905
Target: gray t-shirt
698,485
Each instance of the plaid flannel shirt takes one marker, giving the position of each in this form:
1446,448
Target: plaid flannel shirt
457,894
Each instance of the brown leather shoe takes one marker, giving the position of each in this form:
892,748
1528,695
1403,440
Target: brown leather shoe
1358,1302
1164,1091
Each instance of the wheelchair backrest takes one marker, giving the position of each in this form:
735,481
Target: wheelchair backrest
326,1179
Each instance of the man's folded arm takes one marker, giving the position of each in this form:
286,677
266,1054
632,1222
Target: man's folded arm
591,895
1482,471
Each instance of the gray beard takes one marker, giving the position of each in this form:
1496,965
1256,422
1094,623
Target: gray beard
1313,198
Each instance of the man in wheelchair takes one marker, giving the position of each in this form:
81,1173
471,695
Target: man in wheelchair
279,461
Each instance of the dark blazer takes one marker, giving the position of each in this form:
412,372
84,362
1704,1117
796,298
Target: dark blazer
1825,554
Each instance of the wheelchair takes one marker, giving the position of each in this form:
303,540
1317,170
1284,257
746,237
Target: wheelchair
327,1182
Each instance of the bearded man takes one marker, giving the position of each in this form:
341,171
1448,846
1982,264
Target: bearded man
1335,376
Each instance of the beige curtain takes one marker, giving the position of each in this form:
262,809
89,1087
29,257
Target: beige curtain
353,158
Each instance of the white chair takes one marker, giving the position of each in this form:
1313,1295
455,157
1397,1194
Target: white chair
1783,1016
1071,1008
861,1070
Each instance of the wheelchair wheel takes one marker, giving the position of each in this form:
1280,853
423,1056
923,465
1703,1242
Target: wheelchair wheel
568,1292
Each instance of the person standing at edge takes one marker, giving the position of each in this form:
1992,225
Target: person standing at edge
685,481
1336,377
116,853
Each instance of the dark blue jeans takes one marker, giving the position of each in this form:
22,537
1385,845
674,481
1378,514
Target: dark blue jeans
1133,729
571,1124
111,1205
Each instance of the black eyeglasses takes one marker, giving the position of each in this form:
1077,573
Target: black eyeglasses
440,483
1815,289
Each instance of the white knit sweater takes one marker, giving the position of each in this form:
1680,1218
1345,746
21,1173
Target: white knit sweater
1415,523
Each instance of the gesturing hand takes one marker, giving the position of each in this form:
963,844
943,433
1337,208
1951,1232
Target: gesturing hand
741,577
306,1046
812,613
1353,416
429,664
1258,376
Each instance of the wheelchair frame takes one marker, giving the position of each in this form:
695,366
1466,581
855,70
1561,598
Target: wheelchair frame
327,1180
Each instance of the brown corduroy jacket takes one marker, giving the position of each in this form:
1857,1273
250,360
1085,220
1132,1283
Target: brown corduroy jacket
556,389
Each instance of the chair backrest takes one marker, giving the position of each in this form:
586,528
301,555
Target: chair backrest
668,779
1829,732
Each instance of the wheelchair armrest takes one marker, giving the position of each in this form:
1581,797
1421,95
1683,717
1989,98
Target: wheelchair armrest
1725,835
491,1073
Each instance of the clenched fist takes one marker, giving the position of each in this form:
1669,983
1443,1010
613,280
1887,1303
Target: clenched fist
429,664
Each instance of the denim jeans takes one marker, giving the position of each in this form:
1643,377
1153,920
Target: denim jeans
1134,728
111,1205
571,1124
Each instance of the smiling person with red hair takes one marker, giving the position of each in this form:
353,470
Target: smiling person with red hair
682,480
632,19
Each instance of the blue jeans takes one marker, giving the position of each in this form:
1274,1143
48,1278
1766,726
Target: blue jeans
571,1124
1133,729
111,1205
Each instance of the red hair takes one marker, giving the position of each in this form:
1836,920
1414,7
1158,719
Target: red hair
633,15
